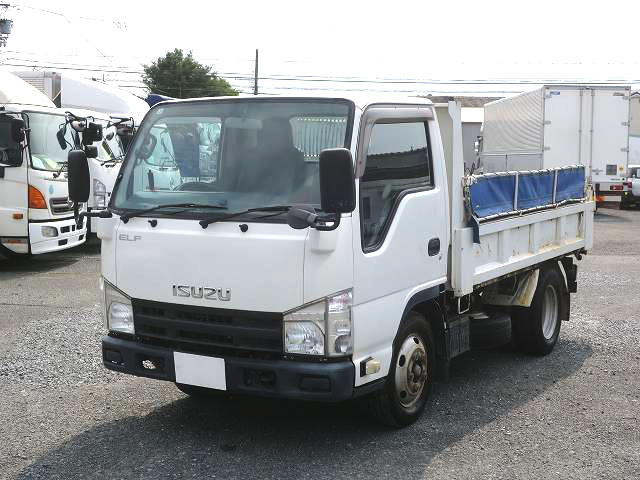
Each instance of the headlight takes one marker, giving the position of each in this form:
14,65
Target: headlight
49,232
117,310
320,328
99,193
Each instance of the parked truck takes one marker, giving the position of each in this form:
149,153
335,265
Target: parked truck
358,272
558,125
36,214
105,166
631,196
69,91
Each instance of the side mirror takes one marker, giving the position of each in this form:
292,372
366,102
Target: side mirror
17,130
337,181
78,176
91,151
60,136
91,133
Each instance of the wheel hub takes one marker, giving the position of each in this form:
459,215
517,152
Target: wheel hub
550,312
411,370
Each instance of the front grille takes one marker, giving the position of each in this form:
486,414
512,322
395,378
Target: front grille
207,330
61,206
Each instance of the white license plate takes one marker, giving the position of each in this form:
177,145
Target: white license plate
200,371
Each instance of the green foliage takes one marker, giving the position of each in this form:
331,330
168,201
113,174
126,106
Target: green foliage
180,76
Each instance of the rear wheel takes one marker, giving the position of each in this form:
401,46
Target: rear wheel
404,396
200,392
536,329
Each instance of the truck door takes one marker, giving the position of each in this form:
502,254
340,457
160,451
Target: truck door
400,240
610,141
13,188
563,129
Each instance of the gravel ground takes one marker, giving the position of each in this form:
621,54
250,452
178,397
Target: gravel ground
572,414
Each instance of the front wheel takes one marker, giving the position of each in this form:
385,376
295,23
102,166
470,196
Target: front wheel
404,396
10,254
536,328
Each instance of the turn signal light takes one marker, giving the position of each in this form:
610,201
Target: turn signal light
17,216
36,199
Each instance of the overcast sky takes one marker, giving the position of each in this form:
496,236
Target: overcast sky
438,41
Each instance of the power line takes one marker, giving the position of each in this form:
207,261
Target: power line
51,12
336,79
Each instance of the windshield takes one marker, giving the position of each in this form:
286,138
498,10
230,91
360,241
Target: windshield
241,153
46,153
634,172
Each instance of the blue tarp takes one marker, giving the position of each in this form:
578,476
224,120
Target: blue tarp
494,194
535,190
154,98
570,184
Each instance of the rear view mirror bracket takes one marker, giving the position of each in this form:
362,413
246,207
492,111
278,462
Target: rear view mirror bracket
304,216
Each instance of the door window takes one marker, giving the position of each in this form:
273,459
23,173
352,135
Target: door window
398,162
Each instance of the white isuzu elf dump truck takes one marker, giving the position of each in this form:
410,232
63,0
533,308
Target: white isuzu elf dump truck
354,260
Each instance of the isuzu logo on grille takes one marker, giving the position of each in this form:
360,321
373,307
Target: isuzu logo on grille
208,293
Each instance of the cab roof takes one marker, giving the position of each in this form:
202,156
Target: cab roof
361,100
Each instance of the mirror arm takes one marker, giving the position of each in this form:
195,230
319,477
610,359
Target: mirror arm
101,214
335,218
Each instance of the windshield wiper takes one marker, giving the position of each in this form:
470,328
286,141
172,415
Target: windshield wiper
270,208
113,160
125,217
63,165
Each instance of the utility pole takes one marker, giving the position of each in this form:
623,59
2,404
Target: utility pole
255,76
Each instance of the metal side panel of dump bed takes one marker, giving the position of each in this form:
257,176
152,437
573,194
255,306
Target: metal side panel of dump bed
517,221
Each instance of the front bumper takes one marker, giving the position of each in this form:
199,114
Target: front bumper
68,236
329,382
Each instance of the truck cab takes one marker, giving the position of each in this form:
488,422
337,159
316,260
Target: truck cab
36,215
323,249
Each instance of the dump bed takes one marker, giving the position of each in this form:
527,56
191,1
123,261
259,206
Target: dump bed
517,220
506,222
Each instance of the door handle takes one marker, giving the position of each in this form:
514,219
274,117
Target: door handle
434,247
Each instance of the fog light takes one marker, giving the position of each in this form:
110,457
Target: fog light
49,232
343,344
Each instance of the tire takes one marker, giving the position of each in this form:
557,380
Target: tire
200,392
402,399
536,328
10,254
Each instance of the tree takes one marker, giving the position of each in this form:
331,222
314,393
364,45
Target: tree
180,76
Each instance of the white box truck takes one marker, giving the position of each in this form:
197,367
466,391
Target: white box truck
559,125
89,98
360,271
36,214
69,91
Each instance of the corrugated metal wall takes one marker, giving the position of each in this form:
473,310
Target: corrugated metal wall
514,124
